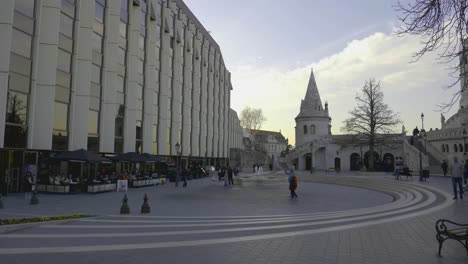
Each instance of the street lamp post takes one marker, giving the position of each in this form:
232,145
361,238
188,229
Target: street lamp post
422,121
464,140
177,147
422,136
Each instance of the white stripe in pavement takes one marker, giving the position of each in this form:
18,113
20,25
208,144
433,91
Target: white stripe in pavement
226,223
349,182
94,248
179,223
217,223
240,218
430,200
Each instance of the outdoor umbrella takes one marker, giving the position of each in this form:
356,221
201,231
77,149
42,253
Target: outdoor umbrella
150,158
132,157
80,155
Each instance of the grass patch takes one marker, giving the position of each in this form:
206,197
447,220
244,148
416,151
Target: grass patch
41,219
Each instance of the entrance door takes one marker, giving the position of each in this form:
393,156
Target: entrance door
308,162
30,164
337,164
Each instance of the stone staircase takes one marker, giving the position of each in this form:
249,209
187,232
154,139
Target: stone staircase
433,155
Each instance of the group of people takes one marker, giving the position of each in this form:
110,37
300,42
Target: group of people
230,172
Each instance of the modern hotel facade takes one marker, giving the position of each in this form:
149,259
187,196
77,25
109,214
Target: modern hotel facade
110,76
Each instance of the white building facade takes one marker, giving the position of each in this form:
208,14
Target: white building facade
110,76
317,149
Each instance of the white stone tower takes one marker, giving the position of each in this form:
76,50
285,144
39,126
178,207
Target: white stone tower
313,122
463,79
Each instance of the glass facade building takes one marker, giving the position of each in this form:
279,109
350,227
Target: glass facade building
111,77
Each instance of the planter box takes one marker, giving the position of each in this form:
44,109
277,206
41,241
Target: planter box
142,183
102,188
53,188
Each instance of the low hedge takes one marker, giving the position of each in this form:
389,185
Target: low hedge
41,219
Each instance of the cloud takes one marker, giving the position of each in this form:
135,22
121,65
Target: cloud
409,88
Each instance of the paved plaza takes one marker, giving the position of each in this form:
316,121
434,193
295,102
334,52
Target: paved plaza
337,219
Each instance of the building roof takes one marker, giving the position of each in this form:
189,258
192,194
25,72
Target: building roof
193,19
311,105
262,136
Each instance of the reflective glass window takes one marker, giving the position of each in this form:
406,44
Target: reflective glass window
18,82
123,29
95,74
99,12
119,87
66,25
23,23
95,90
26,7
21,43
94,103
65,43
20,64
140,66
139,134
93,118
68,7
63,61
15,136
139,92
62,94
63,79
61,116
97,43
121,56
17,104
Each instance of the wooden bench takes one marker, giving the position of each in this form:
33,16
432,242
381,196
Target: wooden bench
457,232
407,173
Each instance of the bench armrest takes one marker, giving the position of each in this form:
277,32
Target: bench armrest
441,226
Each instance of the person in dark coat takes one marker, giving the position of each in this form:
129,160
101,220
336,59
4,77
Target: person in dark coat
444,167
28,186
292,184
184,177
230,172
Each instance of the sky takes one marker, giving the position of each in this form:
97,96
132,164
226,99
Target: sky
270,47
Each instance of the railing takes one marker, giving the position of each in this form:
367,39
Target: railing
412,156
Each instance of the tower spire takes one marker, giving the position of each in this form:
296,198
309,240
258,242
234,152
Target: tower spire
312,102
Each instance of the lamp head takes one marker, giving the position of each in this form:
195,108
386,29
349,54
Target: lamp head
177,146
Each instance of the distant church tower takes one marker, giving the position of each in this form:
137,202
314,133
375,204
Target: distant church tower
313,121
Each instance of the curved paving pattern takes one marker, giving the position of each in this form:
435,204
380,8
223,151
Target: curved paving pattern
151,232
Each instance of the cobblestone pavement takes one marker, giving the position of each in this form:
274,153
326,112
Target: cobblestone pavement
337,219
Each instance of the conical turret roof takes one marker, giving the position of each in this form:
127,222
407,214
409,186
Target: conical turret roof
311,105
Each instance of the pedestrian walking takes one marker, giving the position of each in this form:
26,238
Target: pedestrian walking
230,179
465,173
457,170
292,184
184,177
444,167
28,183
177,177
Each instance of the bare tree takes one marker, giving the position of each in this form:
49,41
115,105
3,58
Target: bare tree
371,119
443,26
252,118
16,110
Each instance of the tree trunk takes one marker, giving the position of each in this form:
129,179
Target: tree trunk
371,155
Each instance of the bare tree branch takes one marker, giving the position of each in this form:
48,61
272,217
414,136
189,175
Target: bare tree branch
371,120
443,27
